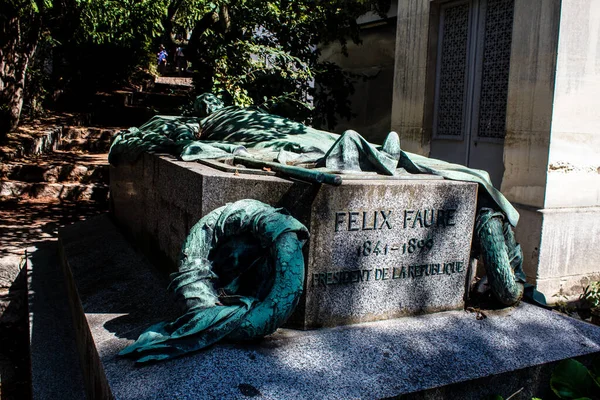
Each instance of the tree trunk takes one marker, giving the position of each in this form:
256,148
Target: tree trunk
196,52
17,45
171,42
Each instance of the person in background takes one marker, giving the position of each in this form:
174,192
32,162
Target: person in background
180,62
162,60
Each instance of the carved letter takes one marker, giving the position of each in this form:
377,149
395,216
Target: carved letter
431,219
329,278
386,274
336,277
378,274
352,220
323,279
419,218
441,220
364,223
407,217
385,219
339,219
450,217
368,273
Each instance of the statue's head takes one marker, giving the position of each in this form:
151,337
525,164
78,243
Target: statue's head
206,104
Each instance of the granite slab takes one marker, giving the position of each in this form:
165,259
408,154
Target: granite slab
115,294
385,249
55,369
379,248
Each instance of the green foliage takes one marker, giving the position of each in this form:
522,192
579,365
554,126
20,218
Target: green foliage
562,304
121,22
591,294
248,52
252,50
24,7
572,380
100,44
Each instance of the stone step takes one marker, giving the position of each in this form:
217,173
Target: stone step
90,132
133,108
94,146
62,191
24,144
53,173
115,98
35,137
165,97
171,82
87,139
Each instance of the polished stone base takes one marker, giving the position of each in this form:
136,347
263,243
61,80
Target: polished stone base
379,248
115,295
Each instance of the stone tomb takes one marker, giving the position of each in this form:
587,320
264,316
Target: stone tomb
115,295
379,248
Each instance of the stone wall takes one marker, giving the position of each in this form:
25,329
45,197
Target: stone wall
569,255
413,83
529,118
551,162
372,60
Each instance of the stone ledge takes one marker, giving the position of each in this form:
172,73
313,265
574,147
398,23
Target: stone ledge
116,295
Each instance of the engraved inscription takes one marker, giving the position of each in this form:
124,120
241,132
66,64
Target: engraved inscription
376,247
397,244
345,277
428,218
353,221
362,220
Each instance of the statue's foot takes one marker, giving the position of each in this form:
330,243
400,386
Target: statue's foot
391,145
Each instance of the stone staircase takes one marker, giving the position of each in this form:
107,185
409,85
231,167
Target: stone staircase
63,158
132,108
74,169
53,172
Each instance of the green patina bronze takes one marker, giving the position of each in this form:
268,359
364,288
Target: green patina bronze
502,256
241,268
220,131
240,276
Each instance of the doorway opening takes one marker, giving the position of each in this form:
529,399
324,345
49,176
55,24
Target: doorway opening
471,84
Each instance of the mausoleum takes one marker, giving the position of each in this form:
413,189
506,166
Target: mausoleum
511,87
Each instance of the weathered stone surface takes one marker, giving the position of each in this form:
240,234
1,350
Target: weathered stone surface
55,365
378,249
386,249
63,191
567,249
10,267
116,295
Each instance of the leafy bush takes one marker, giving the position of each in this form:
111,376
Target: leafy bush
591,294
572,380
